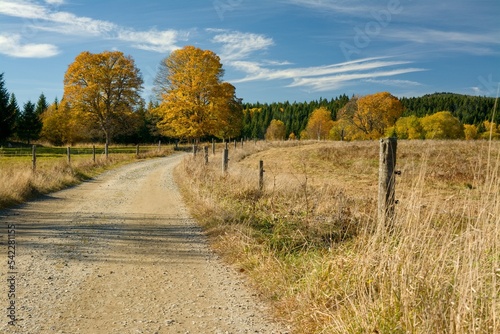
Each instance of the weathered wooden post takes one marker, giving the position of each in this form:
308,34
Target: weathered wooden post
213,147
106,150
93,153
137,150
386,194
206,154
33,157
225,159
261,175
68,153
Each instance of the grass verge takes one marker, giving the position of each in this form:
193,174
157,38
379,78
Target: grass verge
311,243
18,182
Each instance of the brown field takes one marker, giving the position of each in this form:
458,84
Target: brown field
311,243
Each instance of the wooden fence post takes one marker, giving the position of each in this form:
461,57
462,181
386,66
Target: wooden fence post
261,175
93,153
213,147
235,144
159,144
225,159
33,157
68,153
194,150
137,150
386,195
206,154
106,150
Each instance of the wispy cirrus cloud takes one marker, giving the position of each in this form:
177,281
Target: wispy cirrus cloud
41,17
238,50
11,45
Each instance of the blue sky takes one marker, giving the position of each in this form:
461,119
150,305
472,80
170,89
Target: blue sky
274,50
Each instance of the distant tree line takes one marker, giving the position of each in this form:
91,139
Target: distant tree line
101,103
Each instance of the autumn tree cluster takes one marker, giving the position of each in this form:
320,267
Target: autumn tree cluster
102,102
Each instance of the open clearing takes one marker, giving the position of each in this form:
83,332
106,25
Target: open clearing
120,254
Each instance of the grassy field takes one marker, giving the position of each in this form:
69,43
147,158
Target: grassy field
311,243
19,183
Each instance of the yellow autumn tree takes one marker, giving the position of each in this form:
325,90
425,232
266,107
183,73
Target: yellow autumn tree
104,89
319,124
470,131
276,130
408,128
194,100
442,125
60,125
375,113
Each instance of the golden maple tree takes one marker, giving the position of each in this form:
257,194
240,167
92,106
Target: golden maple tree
104,89
375,113
319,124
195,102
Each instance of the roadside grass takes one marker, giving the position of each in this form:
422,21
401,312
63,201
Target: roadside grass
19,183
311,243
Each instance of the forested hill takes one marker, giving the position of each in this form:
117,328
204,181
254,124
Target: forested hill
468,109
258,116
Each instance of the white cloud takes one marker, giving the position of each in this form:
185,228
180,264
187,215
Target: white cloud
55,2
239,45
337,6
65,23
336,81
11,45
328,77
444,37
157,41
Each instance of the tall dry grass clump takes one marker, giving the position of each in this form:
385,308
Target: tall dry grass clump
312,245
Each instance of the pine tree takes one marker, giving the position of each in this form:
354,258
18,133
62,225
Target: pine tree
30,125
7,112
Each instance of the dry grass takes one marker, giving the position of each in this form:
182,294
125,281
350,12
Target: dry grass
311,243
19,183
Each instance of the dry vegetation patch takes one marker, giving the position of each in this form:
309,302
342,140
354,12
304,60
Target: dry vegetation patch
311,243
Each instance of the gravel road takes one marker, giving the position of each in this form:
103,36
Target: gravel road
119,254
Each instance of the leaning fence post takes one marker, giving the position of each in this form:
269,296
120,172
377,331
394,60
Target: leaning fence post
225,159
68,152
261,175
387,164
33,157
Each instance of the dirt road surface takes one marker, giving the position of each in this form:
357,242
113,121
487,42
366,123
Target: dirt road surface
119,254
